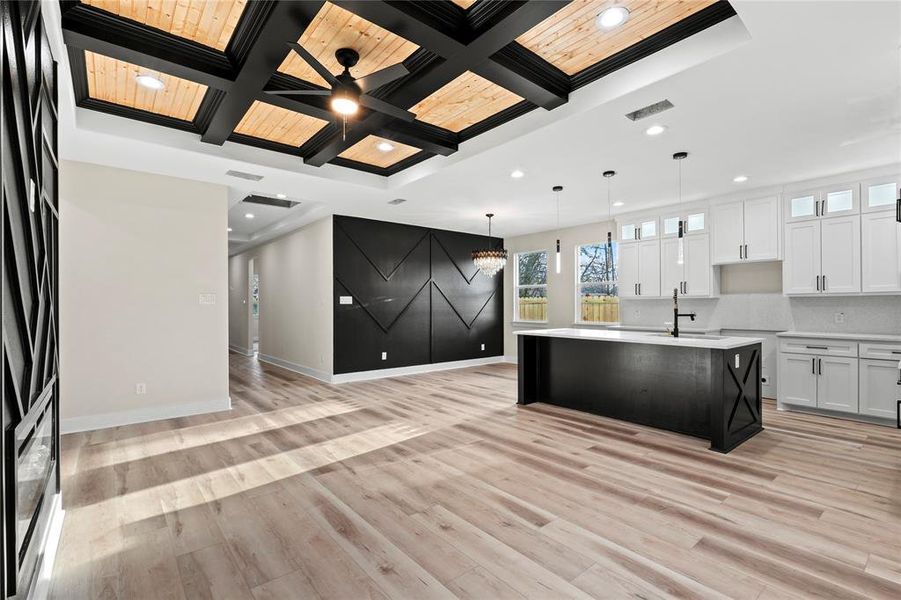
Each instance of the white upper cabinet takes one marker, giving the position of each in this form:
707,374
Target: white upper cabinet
746,230
672,274
801,271
801,206
649,268
641,229
880,253
830,201
697,266
840,243
822,257
693,222
880,194
639,269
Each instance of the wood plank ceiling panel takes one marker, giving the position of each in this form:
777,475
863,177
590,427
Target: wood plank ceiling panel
207,22
333,28
113,80
571,41
277,124
465,101
464,4
367,151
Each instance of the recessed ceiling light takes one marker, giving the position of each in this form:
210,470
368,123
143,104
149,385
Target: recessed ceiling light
150,82
229,229
618,204
613,17
517,174
385,146
248,215
740,179
281,196
655,129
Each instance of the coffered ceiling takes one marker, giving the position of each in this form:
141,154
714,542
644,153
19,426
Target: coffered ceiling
472,65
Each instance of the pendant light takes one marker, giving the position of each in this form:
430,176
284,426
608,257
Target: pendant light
557,189
490,260
679,157
609,262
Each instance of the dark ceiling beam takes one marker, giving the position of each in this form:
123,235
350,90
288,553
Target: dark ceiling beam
284,23
420,135
498,32
98,31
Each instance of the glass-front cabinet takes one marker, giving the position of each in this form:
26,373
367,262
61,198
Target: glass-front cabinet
639,229
833,201
693,222
880,193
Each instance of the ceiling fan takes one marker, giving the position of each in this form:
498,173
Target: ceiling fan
348,93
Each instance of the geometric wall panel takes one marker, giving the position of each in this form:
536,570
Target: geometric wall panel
416,296
28,305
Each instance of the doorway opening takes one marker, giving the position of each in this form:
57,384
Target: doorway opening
254,312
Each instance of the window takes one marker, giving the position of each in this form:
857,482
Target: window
531,286
596,285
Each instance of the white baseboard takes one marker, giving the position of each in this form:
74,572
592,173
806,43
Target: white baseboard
240,350
380,373
142,415
297,368
41,589
511,358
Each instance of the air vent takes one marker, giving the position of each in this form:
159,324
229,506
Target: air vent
650,110
243,175
270,201
397,201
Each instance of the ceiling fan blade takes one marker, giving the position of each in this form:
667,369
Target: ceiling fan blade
300,92
388,109
381,77
311,60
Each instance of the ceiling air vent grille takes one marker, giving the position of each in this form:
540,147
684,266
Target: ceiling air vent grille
243,175
397,201
279,202
649,110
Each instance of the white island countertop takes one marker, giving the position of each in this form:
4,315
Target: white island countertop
713,342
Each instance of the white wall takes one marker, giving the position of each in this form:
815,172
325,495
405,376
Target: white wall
296,313
136,252
561,288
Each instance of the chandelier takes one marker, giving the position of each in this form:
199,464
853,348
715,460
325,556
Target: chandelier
489,260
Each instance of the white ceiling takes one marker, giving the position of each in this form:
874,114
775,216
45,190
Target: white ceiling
791,91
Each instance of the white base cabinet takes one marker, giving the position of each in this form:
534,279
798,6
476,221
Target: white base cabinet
827,374
880,388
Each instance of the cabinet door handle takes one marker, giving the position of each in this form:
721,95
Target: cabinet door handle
817,347
813,366
639,288
746,252
896,351
821,366
818,283
739,252
816,208
824,283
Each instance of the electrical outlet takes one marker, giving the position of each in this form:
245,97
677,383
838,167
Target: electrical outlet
737,361
140,389
839,317
207,298
637,313
384,356
483,347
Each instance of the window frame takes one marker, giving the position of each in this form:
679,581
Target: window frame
577,303
517,286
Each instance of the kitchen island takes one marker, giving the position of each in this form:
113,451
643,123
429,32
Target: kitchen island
700,385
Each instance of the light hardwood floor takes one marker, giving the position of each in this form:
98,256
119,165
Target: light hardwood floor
439,486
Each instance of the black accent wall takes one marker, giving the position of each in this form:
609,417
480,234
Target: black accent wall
28,307
416,295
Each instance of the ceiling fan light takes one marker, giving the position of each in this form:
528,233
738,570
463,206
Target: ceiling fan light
345,106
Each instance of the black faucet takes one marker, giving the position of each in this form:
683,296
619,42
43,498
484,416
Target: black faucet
676,313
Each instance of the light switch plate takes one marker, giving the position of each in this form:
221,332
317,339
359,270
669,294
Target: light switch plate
140,389
840,317
483,347
384,356
345,299
737,360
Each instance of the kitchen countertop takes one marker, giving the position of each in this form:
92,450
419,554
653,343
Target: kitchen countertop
655,329
866,337
636,337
